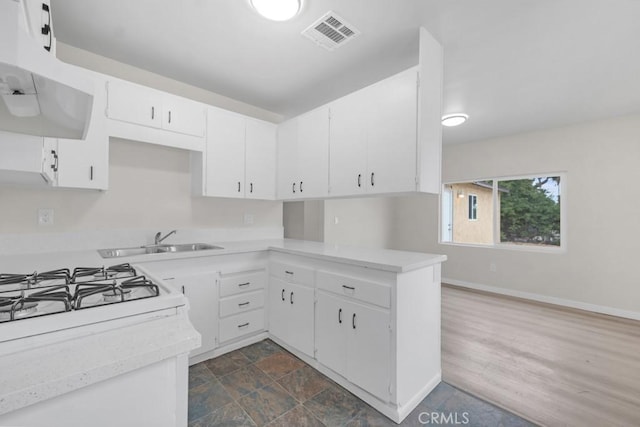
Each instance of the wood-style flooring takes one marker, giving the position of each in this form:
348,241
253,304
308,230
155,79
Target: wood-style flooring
551,365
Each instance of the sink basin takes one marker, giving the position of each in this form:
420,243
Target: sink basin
155,249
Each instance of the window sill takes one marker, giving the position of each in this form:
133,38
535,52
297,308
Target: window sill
511,247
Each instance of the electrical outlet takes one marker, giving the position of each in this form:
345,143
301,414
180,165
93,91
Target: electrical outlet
45,216
336,220
248,219
492,267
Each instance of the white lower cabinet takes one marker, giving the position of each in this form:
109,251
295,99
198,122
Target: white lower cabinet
241,304
354,340
200,290
291,314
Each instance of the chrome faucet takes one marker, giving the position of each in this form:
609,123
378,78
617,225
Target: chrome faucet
159,239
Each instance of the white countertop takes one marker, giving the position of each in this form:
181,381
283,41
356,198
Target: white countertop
380,259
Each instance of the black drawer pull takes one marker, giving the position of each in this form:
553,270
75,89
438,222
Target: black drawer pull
244,325
242,304
244,284
359,180
340,316
353,321
351,288
282,295
291,298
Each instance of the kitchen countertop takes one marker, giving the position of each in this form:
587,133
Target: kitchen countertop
380,259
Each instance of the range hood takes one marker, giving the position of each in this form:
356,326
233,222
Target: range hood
39,94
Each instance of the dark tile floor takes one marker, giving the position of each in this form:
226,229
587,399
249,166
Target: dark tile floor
264,385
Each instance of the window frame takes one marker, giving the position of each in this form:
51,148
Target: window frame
497,244
472,208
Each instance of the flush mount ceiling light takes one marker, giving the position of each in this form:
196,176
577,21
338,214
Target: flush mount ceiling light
456,119
277,10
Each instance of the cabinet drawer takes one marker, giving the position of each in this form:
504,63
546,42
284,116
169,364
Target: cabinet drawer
354,287
292,273
241,303
241,324
233,284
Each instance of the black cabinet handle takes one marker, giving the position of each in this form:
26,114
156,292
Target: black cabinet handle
244,284
288,272
282,295
359,180
353,321
372,181
54,166
244,325
90,173
46,28
238,186
301,186
351,288
251,187
291,298
340,316
183,290
294,188
153,113
169,116
242,304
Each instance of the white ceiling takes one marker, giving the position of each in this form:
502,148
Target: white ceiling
512,65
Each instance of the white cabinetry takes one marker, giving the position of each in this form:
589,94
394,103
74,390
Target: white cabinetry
200,290
353,336
291,305
159,117
373,138
240,156
303,156
26,159
85,163
241,304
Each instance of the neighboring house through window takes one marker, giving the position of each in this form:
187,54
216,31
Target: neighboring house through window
473,207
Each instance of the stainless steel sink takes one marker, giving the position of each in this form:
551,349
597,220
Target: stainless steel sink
155,249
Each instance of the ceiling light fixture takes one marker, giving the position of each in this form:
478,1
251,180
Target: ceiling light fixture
454,119
277,10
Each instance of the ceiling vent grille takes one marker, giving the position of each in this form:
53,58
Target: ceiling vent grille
331,31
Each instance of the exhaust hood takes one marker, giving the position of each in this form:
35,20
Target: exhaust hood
39,94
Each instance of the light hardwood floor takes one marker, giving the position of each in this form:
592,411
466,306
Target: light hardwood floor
551,365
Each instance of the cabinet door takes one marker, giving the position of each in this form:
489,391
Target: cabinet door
300,318
278,308
183,115
83,164
392,134
348,144
287,163
313,153
134,104
331,332
369,349
200,289
260,160
225,154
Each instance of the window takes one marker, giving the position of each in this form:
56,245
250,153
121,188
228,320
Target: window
520,212
473,207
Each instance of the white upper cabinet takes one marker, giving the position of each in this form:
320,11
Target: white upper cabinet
260,159
159,117
392,134
303,156
85,163
240,156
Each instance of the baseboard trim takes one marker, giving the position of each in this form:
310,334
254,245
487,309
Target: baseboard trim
611,311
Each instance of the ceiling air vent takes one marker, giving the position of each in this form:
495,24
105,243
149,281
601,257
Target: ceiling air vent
331,31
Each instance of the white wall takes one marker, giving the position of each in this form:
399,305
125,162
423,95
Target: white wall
364,222
149,185
600,266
